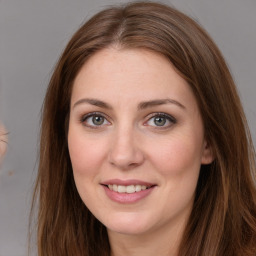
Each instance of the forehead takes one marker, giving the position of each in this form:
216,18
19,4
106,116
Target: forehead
130,73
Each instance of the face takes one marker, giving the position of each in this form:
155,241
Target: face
136,141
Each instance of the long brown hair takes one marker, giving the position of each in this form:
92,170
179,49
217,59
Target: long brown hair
223,219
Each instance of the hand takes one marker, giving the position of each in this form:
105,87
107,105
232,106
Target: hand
3,141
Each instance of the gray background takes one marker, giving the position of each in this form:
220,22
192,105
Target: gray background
33,33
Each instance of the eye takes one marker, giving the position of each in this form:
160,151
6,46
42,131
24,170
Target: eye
161,120
94,120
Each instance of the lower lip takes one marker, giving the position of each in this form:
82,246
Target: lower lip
126,198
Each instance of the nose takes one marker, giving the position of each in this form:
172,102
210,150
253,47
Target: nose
125,153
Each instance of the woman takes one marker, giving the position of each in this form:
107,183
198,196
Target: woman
145,148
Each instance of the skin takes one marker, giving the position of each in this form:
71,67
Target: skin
3,141
130,144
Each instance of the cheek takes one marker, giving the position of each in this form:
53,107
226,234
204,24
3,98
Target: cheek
177,155
178,162
86,154
86,158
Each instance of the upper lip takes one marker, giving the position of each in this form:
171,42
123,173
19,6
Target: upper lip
127,182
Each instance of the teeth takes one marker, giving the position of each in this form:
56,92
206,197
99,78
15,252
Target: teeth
115,187
143,187
121,189
138,188
127,189
130,189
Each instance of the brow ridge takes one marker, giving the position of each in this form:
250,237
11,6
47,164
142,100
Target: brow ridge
94,102
141,106
157,102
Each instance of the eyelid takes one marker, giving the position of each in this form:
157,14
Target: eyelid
170,118
91,114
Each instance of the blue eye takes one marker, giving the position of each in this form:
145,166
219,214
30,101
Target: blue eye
161,120
94,120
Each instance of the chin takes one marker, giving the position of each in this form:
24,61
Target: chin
127,224
127,229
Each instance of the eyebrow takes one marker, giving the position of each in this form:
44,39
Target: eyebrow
93,102
152,103
141,106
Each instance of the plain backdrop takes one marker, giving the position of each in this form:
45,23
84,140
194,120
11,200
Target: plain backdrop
33,33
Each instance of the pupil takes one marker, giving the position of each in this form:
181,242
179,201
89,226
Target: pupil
97,120
160,121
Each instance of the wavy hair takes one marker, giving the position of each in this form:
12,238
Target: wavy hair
223,218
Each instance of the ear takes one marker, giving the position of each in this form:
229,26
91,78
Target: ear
207,154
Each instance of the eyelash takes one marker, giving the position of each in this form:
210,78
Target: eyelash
169,118
85,118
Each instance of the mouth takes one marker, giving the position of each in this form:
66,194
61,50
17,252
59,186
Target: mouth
128,189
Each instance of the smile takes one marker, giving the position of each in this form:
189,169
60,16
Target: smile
127,189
